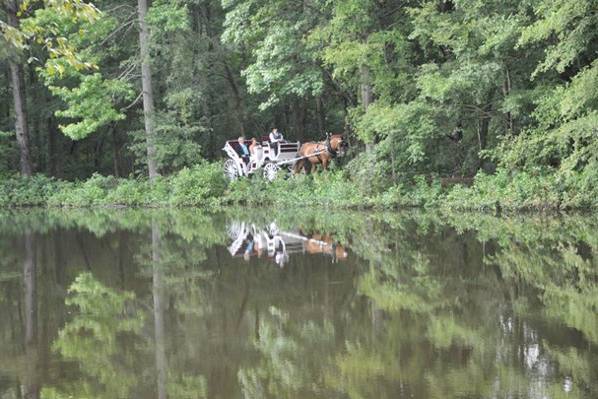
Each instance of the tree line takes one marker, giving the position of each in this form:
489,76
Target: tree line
443,87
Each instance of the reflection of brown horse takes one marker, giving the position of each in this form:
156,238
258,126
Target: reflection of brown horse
324,244
322,152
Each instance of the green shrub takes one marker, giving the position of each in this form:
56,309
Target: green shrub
20,191
91,192
321,189
202,184
580,190
333,189
506,190
419,192
253,191
130,193
369,180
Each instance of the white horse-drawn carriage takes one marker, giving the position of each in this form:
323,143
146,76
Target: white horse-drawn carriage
265,156
272,157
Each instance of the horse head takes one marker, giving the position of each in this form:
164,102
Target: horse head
337,143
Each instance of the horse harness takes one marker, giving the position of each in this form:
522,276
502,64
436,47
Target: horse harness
333,153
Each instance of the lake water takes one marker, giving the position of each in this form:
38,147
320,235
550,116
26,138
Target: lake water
297,304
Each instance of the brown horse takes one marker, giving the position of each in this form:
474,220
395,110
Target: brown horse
322,152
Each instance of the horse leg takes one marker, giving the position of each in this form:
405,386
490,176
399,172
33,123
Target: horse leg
325,164
298,166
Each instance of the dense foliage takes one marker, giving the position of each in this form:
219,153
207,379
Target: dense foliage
204,185
436,90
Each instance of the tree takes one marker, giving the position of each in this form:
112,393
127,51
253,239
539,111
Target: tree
18,92
148,89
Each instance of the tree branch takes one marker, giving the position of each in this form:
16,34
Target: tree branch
134,102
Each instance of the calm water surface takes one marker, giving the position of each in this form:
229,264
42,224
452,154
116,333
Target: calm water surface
271,304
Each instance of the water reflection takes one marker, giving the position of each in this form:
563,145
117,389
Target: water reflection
271,242
128,304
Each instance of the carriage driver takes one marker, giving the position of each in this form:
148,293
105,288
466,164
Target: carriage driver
275,137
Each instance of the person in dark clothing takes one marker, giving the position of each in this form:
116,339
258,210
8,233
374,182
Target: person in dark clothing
243,150
275,137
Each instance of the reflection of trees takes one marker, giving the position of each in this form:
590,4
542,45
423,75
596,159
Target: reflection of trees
558,257
159,298
118,327
27,286
290,358
30,383
185,223
437,306
487,342
104,348
101,339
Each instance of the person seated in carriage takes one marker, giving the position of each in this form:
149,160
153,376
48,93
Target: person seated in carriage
243,150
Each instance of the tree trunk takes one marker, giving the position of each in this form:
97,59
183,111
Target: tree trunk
483,126
240,114
29,282
36,121
148,93
506,91
123,244
97,153
115,152
4,105
298,119
59,260
19,99
321,115
159,309
304,115
52,146
367,94
31,388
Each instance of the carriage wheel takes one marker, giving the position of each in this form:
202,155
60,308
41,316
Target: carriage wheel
270,171
230,169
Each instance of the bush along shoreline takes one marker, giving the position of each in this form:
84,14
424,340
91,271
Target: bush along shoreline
205,186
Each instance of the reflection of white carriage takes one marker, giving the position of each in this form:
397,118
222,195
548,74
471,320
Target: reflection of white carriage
270,157
249,240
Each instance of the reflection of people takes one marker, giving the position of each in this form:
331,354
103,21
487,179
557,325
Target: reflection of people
272,230
249,247
333,253
279,258
280,253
